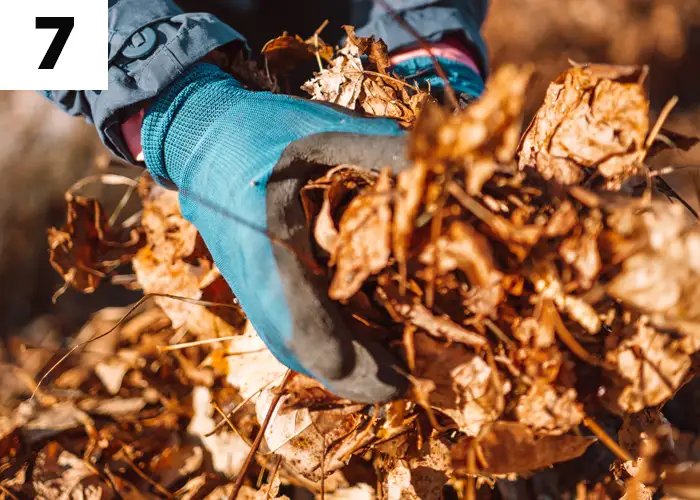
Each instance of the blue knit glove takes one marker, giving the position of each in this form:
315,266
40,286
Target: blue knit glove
249,153
219,142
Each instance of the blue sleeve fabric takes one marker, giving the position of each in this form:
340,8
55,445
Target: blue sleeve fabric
181,40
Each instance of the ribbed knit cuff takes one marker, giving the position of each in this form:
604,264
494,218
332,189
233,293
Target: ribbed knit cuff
174,122
463,79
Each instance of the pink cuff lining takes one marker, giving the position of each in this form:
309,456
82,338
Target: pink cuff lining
131,130
440,49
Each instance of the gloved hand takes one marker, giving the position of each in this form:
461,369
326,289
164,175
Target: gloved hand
250,153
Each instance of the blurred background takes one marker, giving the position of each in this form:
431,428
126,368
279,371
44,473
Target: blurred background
43,151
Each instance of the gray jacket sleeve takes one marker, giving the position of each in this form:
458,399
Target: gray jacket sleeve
432,19
150,44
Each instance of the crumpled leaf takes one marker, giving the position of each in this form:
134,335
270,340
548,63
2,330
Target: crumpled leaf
548,411
284,53
304,438
594,116
479,137
341,83
399,484
40,423
363,246
382,100
348,83
249,364
86,250
464,386
411,311
375,49
650,366
175,262
662,278
338,186
58,474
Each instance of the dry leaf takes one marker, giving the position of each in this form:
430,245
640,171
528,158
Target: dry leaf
465,387
593,117
87,249
60,475
282,54
363,246
228,450
510,447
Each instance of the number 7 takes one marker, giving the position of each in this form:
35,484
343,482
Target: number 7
64,25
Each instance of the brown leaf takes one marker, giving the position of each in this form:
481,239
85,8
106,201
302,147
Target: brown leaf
228,450
548,411
593,117
410,186
339,185
375,50
462,247
464,386
581,251
43,423
364,239
59,474
176,262
284,53
87,249
562,221
407,309
511,447
303,438
341,83
381,100
361,491
250,366
650,366
402,483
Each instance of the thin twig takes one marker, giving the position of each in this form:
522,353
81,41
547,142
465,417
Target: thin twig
258,438
471,469
316,33
665,111
230,424
605,438
7,492
449,91
238,407
185,345
127,456
387,77
567,337
124,200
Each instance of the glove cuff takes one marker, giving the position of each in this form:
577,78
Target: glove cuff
464,79
175,122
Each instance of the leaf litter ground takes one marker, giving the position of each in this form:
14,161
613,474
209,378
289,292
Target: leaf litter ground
540,291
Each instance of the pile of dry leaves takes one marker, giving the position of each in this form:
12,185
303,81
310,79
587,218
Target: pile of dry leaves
529,293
